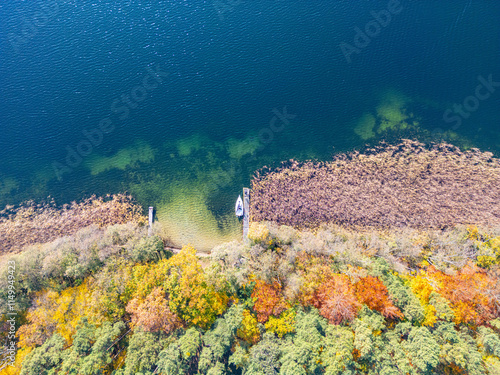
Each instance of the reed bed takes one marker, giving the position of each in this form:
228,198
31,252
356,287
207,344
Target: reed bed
404,185
32,223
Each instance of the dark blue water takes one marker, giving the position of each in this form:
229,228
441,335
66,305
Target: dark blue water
215,110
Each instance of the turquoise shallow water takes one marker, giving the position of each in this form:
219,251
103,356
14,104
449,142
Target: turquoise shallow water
179,102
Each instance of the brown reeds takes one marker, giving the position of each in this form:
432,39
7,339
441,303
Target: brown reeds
32,223
404,185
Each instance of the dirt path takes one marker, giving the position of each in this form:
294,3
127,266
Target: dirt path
176,250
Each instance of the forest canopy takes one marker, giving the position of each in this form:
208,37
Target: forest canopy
333,301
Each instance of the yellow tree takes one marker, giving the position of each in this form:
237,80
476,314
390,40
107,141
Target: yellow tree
55,312
249,330
190,296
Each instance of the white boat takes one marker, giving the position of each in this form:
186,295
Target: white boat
238,209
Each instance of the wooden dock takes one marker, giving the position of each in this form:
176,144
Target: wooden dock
246,212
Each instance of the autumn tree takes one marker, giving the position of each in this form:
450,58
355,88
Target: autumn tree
249,330
467,292
332,293
54,312
372,292
336,300
313,272
190,296
283,324
268,300
153,313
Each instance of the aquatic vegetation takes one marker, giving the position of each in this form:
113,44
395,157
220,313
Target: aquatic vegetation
365,126
33,223
392,111
237,149
190,192
186,146
402,185
7,185
390,115
123,159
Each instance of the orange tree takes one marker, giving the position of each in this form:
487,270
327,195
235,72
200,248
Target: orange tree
268,300
467,292
332,293
373,293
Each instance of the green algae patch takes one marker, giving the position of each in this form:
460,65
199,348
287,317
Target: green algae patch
365,126
187,146
237,149
7,185
391,114
123,159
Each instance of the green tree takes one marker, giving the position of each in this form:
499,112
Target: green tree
264,356
109,289
300,353
489,340
45,359
337,356
91,351
181,357
394,356
401,295
368,341
458,349
143,352
423,350
146,249
240,358
218,341
82,347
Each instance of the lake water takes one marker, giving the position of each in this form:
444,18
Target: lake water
179,102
